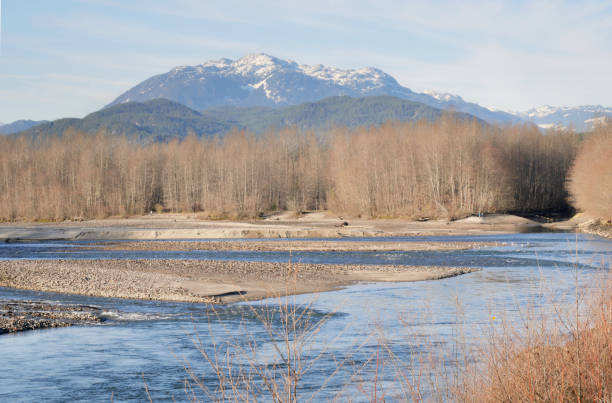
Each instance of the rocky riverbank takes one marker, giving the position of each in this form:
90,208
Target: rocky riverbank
19,316
206,281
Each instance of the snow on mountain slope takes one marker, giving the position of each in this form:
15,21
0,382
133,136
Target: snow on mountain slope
581,118
263,80
444,96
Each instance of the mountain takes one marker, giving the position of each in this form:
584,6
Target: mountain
19,125
455,102
329,112
164,120
263,80
581,118
157,120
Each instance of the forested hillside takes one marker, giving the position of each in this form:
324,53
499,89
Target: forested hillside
19,126
157,120
161,120
330,112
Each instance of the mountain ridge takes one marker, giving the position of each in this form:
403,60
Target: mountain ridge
264,80
260,80
157,120
18,126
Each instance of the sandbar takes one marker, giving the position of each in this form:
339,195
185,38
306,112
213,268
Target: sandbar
203,281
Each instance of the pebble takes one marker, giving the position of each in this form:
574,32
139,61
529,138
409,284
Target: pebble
19,316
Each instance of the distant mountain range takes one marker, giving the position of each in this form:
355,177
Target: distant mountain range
581,118
18,126
164,120
260,91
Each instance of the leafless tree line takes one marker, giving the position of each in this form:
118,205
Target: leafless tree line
448,168
590,181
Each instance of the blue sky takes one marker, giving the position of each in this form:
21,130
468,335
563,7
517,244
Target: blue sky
66,58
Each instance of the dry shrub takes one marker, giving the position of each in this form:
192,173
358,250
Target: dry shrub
567,361
590,181
549,359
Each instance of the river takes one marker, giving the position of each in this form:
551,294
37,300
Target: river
150,343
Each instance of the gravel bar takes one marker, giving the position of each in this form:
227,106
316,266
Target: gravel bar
205,281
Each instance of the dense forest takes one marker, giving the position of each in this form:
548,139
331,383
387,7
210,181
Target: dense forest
448,168
161,120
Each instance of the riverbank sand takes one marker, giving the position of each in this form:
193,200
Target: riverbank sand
313,225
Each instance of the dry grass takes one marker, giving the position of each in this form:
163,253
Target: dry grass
560,357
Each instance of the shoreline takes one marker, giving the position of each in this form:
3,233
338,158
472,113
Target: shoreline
202,281
596,227
312,225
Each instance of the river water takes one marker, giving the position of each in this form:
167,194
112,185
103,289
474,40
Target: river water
148,345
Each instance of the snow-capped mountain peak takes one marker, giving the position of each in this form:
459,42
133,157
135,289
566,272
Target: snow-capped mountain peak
259,65
263,80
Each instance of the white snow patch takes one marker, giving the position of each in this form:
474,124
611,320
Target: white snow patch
565,111
443,96
542,111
